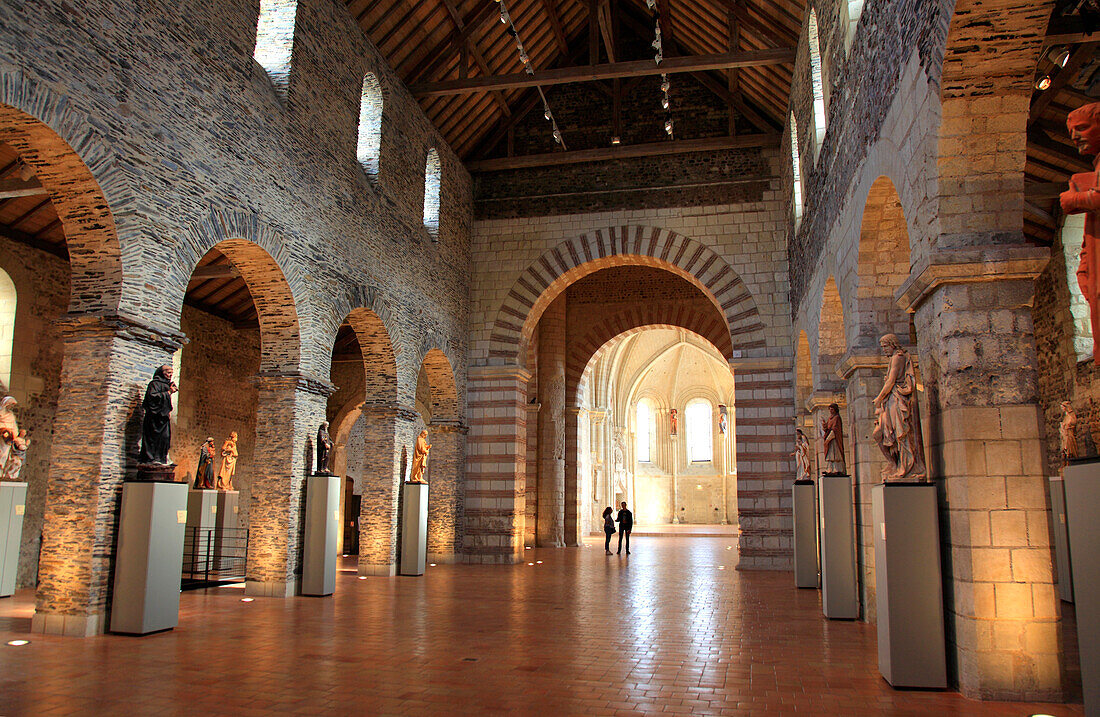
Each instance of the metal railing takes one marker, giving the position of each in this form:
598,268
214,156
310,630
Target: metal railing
212,556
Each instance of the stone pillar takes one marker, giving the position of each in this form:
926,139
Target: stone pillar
531,466
289,410
446,463
380,487
974,325
495,464
550,532
107,364
575,435
764,430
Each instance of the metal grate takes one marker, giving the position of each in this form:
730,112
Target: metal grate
212,556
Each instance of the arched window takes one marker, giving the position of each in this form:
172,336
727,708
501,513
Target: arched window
817,83
852,10
7,327
369,148
645,431
699,427
275,41
433,178
796,174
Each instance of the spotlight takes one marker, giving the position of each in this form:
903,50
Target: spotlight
247,599
668,127
539,562
615,140
431,565
664,102
526,547
1043,83
1059,58
721,567
530,564
362,577
18,643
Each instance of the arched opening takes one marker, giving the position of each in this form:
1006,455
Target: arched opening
883,266
433,182
437,403
796,175
831,343
817,83
369,148
275,41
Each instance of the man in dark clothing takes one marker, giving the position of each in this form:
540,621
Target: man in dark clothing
626,524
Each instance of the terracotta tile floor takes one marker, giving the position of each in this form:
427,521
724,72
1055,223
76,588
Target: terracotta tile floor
667,630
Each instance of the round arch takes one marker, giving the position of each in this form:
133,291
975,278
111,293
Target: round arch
831,343
883,265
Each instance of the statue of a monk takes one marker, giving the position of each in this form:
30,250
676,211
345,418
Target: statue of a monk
832,431
1083,197
229,462
897,428
324,446
420,458
156,428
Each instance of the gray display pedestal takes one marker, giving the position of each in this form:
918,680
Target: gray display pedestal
13,501
322,521
414,528
202,514
1061,538
905,522
146,595
839,589
805,534
225,519
1082,482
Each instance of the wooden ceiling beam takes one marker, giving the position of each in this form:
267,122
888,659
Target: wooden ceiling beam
13,188
215,271
454,43
59,250
556,26
652,149
603,15
610,71
475,52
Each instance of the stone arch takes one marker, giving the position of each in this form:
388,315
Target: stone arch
78,169
882,267
441,380
446,460
831,344
376,328
550,274
803,373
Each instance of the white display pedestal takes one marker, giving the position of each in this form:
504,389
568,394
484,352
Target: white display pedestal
1082,482
905,522
839,588
805,534
13,501
414,528
322,522
146,596
1061,538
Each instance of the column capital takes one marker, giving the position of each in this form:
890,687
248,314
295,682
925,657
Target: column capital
272,380
970,265
822,399
862,358
488,373
123,326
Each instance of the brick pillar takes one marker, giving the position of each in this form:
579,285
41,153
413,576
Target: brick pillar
574,433
495,464
864,371
289,410
381,486
764,428
107,364
550,532
446,465
974,325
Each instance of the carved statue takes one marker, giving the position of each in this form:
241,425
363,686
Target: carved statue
229,462
420,458
1068,429
156,428
672,421
324,446
1083,197
9,427
801,456
16,453
897,425
723,422
832,430
204,472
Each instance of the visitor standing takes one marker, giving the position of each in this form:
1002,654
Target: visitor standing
608,529
626,524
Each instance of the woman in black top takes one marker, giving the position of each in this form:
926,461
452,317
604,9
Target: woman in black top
608,529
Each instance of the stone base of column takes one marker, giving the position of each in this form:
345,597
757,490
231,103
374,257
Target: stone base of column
68,625
273,588
442,558
382,571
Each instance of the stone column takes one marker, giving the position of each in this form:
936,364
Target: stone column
495,464
108,361
531,466
446,463
550,532
385,429
290,407
974,326
575,434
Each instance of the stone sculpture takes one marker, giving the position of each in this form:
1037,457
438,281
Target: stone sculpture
832,430
16,453
801,456
1083,197
9,427
204,473
672,421
1068,429
324,447
229,462
156,427
897,420
420,458
723,422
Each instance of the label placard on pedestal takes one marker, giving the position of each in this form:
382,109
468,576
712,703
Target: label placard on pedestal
13,499
839,588
1082,482
805,534
911,649
319,550
414,528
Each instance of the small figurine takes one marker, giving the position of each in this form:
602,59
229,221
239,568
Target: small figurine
16,453
420,458
1068,429
832,430
1083,197
723,423
324,446
229,462
801,455
897,421
9,427
204,473
156,428
672,419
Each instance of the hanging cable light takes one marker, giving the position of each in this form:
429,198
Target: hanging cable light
506,19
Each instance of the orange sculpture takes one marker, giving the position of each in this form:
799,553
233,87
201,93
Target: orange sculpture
1083,197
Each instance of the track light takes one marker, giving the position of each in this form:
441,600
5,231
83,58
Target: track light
1043,83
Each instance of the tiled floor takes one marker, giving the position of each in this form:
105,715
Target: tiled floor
671,629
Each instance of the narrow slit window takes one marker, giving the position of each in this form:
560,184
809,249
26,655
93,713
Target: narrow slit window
796,173
433,178
369,149
275,41
817,83
7,327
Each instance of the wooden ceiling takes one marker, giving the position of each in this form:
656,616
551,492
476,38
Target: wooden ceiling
27,214
433,41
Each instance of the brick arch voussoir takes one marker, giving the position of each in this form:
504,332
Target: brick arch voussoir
89,191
